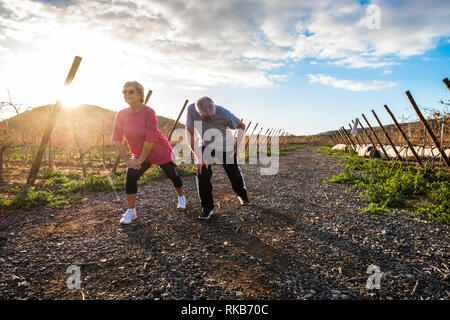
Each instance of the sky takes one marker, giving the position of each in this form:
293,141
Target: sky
304,66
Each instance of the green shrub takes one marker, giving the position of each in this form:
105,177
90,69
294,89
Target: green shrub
394,184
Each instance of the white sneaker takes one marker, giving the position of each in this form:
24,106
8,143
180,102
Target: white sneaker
128,216
181,203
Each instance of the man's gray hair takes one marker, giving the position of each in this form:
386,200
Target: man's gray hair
205,106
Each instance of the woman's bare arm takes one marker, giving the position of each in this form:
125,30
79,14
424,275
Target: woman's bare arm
122,151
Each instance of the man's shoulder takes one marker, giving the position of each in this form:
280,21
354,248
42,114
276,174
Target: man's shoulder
223,111
191,110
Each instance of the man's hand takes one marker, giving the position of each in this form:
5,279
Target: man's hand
134,163
200,166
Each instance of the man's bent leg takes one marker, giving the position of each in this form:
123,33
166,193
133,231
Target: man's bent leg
234,173
204,188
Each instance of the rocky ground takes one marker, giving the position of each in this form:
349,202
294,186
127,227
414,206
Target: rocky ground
300,238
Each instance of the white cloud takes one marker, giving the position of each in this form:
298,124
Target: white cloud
205,43
351,85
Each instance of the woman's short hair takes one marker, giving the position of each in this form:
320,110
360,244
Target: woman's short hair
205,106
138,86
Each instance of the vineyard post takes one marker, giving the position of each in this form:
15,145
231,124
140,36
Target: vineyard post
248,139
349,138
447,83
2,149
256,141
349,142
387,136
176,122
246,129
361,136
282,133
280,137
367,134
376,138
248,126
50,124
268,139
268,136
284,138
103,140
428,129
276,134
265,141
356,137
404,135
339,137
343,138
332,138
147,97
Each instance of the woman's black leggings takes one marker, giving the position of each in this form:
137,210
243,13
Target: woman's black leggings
133,175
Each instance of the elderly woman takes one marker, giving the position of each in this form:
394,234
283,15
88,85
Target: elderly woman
139,125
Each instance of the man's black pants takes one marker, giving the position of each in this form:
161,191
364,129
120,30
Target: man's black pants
233,171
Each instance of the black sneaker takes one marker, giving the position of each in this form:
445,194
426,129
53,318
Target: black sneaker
206,213
243,200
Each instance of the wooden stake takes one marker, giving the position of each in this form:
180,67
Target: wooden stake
50,124
447,83
428,129
149,93
343,138
248,140
367,134
338,138
248,126
376,138
179,115
387,136
404,136
257,141
349,142
333,139
349,138
361,136
356,137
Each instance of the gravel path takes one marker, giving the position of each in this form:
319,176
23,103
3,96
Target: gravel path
300,238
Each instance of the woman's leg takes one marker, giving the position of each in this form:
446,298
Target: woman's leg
170,169
133,176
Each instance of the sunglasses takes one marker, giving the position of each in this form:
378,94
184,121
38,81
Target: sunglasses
130,92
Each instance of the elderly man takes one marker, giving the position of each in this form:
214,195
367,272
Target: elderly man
204,116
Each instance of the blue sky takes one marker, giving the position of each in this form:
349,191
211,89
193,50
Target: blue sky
305,66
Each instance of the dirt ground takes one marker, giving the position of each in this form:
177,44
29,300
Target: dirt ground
300,238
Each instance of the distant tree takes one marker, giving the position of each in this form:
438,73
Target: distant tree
5,142
6,106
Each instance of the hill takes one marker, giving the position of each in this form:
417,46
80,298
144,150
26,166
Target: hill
86,125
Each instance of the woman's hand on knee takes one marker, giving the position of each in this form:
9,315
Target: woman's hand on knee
134,163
